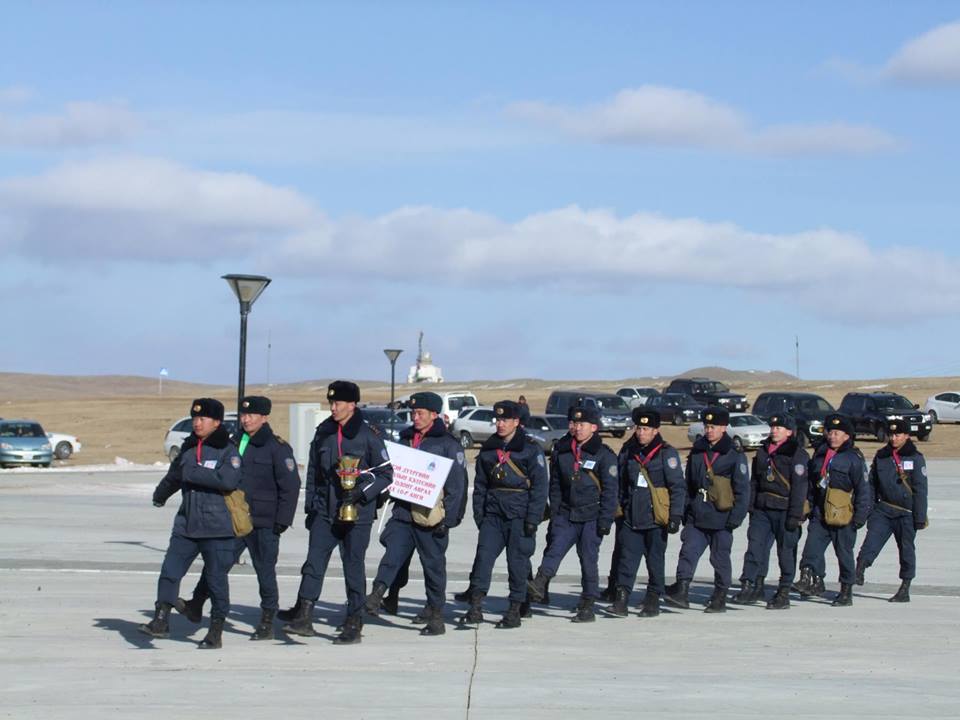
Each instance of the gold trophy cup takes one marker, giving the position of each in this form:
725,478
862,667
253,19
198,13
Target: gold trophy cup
348,469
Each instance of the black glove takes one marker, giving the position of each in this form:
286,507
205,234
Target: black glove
529,529
440,531
792,523
919,525
731,526
353,496
673,527
157,503
858,524
311,516
603,530
279,528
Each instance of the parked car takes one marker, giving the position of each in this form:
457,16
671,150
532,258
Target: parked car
807,409
385,422
636,396
474,425
871,411
614,411
453,404
23,442
676,408
547,429
184,426
745,429
710,392
943,407
63,445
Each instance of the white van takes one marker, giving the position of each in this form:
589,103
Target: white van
453,403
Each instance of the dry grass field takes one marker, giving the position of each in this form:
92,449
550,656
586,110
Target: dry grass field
125,417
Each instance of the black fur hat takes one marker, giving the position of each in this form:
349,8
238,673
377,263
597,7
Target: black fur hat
643,417
207,407
256,404
343,390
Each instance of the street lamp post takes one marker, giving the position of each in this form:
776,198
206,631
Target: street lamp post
247,288
392,356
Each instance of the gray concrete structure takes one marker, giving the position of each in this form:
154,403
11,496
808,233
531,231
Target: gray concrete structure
80,554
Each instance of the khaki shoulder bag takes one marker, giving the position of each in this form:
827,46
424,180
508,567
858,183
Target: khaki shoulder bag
659,500
720,492
236,501
838,507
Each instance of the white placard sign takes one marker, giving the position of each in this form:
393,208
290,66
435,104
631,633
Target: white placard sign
418,476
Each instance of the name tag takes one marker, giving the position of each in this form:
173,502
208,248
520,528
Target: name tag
210,464
908,464
589,464
641,481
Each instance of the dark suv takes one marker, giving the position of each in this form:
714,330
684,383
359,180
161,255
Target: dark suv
614,411
807,409
709,392
871,412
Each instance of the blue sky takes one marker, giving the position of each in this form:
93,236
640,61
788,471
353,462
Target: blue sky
546,189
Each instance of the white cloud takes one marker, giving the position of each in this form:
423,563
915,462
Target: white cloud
662,116
15,94
79,124
933,57
136,208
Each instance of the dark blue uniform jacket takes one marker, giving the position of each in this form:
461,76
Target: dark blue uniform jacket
323,491
664,470
498,490
898,495
729,463
575,492
203,471
780,482
439,442
845,471
270,479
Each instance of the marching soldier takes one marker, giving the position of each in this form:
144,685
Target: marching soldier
271,483
718,492
779,488
410,527
348,469
898,475
208,466
653,495
509,497
583,501
841,504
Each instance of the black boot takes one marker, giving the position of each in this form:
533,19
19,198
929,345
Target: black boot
302,622
621,597
802,585
861,570
290,613
422,617
903,594
264,630
546,592
214,638
758,590
352,630
817,588
845,596
474,614
463,596
159,627
391,602
537,587
780,601
511,618
585,612
525,611
651,604
717,602
746,594
609,593
372,604
435,624
678,595
191,609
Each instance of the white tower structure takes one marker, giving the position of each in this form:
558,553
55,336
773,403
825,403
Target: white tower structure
424,370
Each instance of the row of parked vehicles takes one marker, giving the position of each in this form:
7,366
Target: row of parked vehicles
24,442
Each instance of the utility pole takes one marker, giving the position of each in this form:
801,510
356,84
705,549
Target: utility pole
268,358
797,347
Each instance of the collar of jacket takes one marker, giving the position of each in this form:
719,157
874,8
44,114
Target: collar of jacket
824,446
591,446
634,447
887,450
218,439
438,429
723,446
495,442
350,429
262,436
788,448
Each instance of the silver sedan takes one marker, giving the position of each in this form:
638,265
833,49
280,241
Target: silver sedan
943,407
746,430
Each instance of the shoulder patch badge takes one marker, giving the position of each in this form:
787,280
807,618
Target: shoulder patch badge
235,461
540,460
672,463
799,469
290,464
612,471
383,454
461,459
743,468
924,470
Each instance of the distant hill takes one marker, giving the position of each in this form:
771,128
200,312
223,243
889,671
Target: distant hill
725,375
27,386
